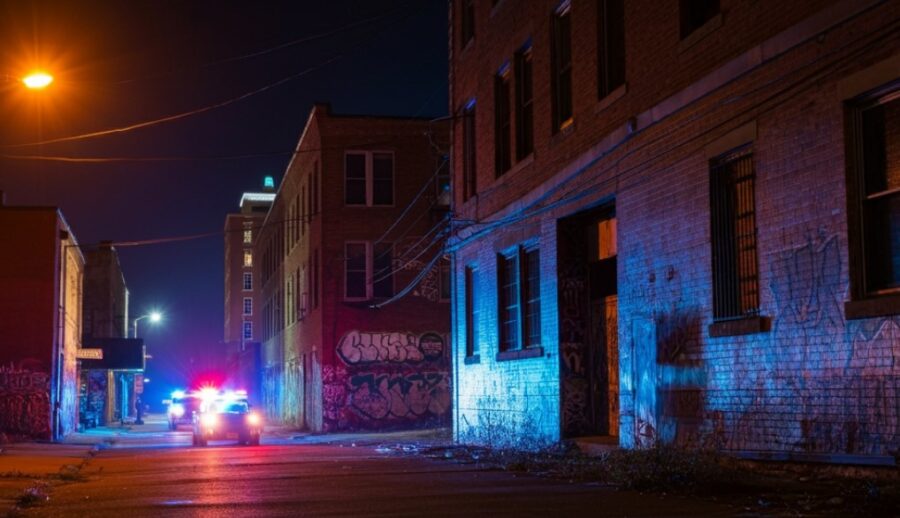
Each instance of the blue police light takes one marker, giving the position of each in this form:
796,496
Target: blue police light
269,182
178,394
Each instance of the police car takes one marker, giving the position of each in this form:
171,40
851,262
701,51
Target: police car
226,416
182,407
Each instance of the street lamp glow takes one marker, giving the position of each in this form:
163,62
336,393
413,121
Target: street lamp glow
37,80
154,316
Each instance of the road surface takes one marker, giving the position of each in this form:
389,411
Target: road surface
160,474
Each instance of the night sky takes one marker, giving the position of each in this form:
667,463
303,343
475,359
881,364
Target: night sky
121,63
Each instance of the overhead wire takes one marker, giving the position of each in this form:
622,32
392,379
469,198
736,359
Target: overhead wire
196,111
579,190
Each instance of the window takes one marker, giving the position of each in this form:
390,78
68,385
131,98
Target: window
524,98
383,283
695,13
369,178
368,272
248,330
444,277
248,306
531,295
501,122
467,21
519,298
355,286
470,187
248,281
610,46
874,138
248,258
315,279
315,189
248,237
471,313
735,269
382,179
561,65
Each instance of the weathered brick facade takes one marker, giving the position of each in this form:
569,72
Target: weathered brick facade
329,363
40,322
808,377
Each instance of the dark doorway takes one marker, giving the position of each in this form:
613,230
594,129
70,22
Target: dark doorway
588,316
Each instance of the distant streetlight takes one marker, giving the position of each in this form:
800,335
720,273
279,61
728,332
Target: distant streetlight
154,316
37,80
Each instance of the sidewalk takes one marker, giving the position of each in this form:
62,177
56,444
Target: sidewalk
28,470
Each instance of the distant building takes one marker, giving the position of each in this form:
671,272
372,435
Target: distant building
41,270
678,222
103,393
351,287
241,321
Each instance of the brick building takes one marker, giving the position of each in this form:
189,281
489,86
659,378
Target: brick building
105,312
242,323
678,221
41,270
360,215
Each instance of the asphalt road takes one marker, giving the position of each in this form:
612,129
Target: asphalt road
160,474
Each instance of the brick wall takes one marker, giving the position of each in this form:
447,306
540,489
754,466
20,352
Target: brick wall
342,365
815,382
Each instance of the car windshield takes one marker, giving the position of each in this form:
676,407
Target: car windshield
230,407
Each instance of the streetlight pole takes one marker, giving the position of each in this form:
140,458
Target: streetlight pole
154,316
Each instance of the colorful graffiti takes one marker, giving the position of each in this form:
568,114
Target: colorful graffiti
379,396
357,348
387,380
24,401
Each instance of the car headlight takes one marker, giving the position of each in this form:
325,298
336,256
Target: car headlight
254,419
208,420
176,410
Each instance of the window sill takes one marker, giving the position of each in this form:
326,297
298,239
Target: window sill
472,360
611,98
875,306
564,131
742,326
520,354
700,32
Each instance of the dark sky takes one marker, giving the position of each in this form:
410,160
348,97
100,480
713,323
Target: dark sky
119,63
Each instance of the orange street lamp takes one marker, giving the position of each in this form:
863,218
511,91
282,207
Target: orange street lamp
37,80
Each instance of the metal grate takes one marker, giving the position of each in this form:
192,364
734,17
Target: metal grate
735,267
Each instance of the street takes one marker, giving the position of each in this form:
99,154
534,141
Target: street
152,473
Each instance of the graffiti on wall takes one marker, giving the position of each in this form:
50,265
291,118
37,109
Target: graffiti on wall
24,401
357,348
387,379
379,396
806,282
410,255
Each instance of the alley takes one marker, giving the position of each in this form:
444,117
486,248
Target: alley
154,473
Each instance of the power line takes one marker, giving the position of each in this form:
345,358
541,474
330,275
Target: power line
196,111
580,190
178,116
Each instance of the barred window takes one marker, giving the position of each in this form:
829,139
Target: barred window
735,267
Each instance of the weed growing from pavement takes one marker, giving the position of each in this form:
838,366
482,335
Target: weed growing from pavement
32,496
703,473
